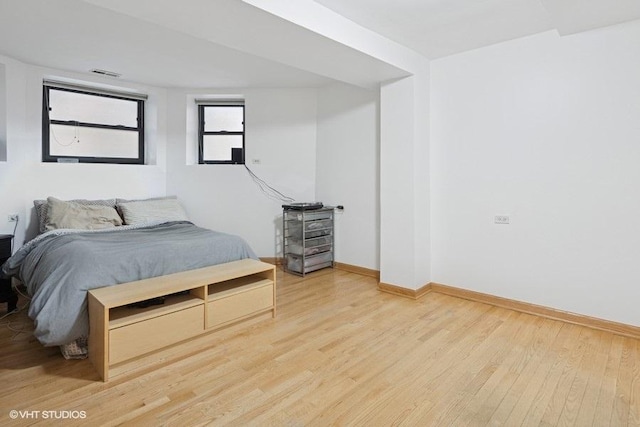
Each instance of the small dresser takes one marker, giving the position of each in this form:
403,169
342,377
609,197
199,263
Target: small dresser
6,293
307,239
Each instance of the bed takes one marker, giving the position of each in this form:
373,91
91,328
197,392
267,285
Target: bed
60,265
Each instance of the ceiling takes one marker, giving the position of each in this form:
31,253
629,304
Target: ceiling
231,43
242,27
74,35
437,28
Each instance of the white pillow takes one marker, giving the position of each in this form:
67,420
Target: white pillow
144,211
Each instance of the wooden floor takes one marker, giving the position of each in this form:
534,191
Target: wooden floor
342,353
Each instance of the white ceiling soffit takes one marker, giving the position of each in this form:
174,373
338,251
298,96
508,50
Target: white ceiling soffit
574,16
243,27
73,35
438,28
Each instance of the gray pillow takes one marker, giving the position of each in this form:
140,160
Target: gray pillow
144,211
119,200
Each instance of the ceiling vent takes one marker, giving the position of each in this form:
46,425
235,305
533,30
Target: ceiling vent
105,73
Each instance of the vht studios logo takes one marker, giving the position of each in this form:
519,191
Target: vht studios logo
48,415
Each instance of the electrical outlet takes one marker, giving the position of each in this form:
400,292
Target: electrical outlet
255,161
501,219
12,217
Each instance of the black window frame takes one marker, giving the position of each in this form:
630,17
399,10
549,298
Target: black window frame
46,122
202,133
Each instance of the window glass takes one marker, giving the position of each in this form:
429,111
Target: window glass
218,147
223,119
85,108
75,141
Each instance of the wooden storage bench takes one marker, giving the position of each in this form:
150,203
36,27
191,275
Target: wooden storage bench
195,302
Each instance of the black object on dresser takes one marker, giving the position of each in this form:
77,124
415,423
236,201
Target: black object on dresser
6,293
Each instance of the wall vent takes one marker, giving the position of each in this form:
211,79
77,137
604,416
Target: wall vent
105,73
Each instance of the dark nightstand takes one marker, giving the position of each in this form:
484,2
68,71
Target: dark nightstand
6,293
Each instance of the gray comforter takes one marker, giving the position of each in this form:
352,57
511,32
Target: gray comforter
58,267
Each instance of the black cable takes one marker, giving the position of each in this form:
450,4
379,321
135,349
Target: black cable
268,190
266,187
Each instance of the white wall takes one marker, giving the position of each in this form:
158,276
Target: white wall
3,114
280,131
348,168
405,242
23,176
547,130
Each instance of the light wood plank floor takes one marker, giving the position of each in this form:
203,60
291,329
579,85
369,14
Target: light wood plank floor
342,353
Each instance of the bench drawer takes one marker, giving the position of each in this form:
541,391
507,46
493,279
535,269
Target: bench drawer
237,306
152,334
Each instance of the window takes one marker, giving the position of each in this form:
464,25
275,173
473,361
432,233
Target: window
221,133
80,124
